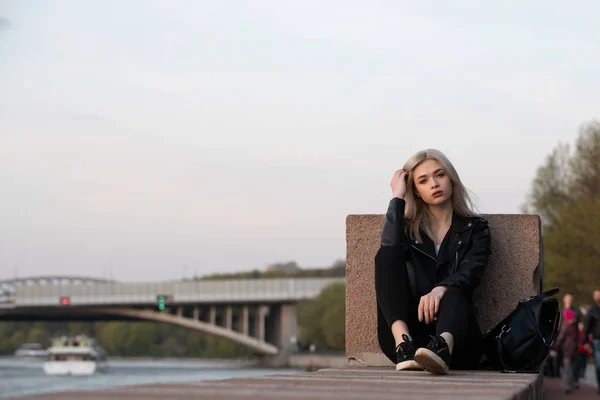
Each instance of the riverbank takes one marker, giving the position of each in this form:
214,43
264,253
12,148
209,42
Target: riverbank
25,377
223,361
303,361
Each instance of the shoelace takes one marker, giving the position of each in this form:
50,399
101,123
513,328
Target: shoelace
402,346
436,342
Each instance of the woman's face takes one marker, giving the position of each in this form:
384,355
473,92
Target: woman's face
432,183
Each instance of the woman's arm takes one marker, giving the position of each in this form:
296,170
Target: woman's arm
393,233
389,274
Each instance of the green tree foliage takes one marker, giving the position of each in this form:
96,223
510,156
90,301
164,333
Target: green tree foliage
125,339
280,270
322,319
550,189
566,193
37,334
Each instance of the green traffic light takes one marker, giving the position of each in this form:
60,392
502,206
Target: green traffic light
162,301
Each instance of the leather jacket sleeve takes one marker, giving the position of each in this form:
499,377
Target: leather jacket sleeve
470,270
393,233
589,323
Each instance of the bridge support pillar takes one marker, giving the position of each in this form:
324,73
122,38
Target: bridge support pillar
285,327
261,313
180,311
212,315
245,320
196,313
228,317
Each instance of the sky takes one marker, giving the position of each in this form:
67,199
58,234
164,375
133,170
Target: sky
153,140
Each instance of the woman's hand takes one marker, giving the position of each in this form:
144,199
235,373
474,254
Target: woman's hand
398,183
430,304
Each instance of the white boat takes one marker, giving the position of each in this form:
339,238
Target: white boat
31,350
74,356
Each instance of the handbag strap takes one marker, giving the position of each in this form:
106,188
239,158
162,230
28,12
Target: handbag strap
543,349
538,359
543,295
555,327
549,293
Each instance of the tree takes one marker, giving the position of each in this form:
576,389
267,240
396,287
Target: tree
572,249
37,334
109,337
333,325
550,189
78,328
141,338
17,338
566,194
322,319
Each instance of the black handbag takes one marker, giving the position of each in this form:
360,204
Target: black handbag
521,341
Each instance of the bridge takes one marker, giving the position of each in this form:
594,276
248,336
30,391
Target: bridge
259,314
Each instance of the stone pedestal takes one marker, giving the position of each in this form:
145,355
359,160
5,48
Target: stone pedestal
515,271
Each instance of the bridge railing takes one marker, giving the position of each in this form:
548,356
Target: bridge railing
208,291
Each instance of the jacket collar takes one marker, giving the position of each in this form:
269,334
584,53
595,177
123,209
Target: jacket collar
460,224
450,243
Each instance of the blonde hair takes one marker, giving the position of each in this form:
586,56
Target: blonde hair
416,212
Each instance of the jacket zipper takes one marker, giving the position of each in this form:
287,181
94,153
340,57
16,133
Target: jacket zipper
422,252
455,262
456,257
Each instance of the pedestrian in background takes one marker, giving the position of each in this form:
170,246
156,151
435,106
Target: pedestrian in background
585,351
568,340
592,332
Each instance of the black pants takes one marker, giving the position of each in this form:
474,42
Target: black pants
455,315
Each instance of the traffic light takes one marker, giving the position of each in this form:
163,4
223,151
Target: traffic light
162,301
65,301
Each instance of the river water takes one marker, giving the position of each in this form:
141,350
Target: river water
20,377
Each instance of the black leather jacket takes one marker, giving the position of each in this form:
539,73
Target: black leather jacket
592,322
460,262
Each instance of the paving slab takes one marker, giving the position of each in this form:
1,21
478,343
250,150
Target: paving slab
346,383
554,389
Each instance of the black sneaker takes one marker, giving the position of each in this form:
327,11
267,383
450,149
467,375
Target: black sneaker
405,356
435,357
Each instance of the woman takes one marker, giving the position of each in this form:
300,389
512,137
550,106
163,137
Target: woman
567,339
433,253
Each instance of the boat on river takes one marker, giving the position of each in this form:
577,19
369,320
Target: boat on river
77,355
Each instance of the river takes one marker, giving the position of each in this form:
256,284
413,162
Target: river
20,377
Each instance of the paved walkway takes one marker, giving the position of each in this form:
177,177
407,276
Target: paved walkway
554,388
342,384
590,375
351,383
